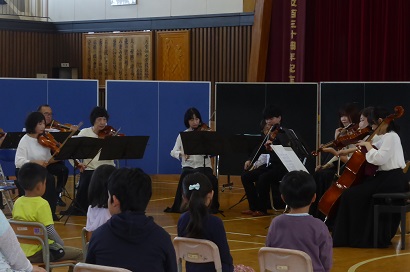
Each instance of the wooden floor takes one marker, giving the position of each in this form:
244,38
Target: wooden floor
245,233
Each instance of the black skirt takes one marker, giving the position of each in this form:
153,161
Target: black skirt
354,222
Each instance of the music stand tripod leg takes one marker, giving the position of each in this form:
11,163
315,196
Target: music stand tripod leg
240,201
74,204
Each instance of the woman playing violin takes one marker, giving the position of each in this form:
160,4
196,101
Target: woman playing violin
193,163
57,169
98,119
354,221
30,150
325,174
258,182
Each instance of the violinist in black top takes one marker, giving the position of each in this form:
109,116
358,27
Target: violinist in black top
258,182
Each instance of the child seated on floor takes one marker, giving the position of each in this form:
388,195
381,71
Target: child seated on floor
98,212
297,229
33,208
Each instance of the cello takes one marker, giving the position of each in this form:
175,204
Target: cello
354,171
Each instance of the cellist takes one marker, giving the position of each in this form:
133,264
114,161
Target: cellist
354,221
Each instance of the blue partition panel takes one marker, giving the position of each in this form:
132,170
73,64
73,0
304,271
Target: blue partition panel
174,100
19,97
133,108
72,100
155,109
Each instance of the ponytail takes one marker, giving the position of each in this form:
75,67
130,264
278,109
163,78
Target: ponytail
196,187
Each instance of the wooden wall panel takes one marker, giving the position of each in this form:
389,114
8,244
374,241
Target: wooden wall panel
127,56
218,54
25,54
173,54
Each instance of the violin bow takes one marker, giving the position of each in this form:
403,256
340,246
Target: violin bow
65,141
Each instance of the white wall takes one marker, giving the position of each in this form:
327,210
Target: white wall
79,10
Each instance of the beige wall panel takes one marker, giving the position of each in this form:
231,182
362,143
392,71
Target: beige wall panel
173,55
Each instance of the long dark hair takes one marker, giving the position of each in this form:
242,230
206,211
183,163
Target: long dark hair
196,187
380,112
97,191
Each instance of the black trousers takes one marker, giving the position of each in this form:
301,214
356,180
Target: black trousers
81,198
59,170
176,207
50,194
257,184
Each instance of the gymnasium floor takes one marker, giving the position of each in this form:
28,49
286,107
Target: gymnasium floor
246,234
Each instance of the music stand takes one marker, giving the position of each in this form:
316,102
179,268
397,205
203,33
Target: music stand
206,143
124,147
12,139
78,148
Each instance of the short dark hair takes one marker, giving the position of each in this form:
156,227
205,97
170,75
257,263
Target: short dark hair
30,174
271,111
132,187
98,112
97,191
44,105
189,114
297,189
32,120
351,110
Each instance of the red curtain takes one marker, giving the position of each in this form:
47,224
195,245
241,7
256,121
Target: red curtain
351,40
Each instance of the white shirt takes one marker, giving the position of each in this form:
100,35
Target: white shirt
96,217
389,152
88,132
29,150
193,161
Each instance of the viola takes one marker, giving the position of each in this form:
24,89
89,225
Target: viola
109,131
62,127
354,171
270,134
353,135
47,140
268,130
203,127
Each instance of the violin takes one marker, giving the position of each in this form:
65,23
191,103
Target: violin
62,127
270,134
109,131
203,127
2,133
268,130
352,137
47,140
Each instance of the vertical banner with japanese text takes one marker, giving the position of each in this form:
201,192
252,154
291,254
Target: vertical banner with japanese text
286,52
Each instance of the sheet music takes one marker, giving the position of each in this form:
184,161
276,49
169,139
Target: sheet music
289,158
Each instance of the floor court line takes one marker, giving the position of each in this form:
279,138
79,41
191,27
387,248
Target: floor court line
354,267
